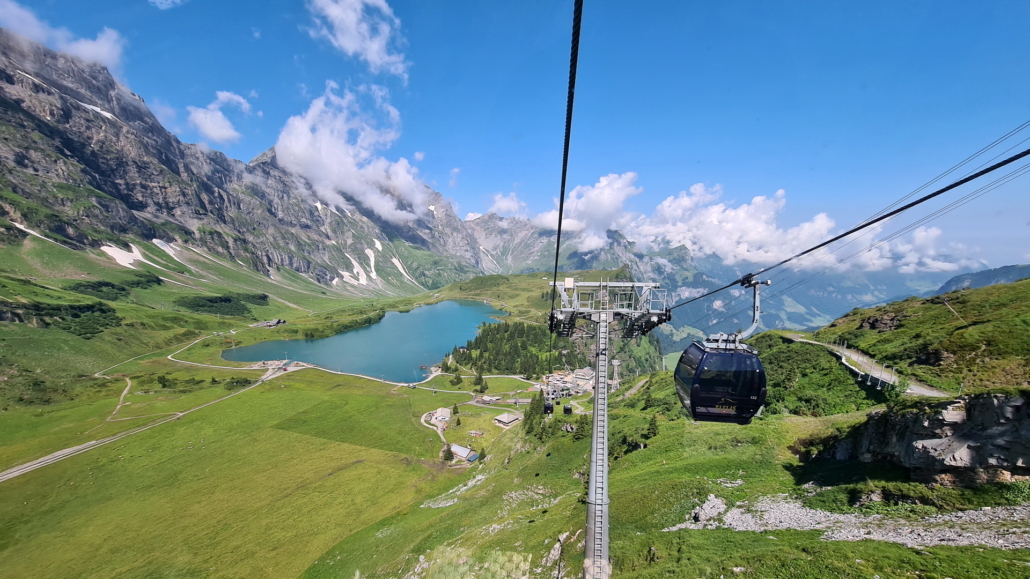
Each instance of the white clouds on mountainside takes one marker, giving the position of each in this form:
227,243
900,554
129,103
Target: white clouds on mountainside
367,29
746,233
508,205
592,211
334,146
212,123
106,49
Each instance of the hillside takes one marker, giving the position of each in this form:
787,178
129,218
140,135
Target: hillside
1006,274
981,344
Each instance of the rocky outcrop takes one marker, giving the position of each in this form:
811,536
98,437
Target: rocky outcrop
83,158
962,442
882,323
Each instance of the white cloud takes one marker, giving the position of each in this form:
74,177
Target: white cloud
921,253
419,155
334,146
367,29
592,211
166,4
454,177
747,233
507,205
256,32
106,49
212,123
472,216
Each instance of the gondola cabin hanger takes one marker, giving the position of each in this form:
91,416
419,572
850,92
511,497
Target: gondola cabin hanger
721,379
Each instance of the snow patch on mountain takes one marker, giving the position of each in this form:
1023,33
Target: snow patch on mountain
125,258
170,249
404,272
360,273
372,266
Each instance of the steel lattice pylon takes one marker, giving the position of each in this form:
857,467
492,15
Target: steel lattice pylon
641,307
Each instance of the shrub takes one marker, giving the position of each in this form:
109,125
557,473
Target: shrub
101,289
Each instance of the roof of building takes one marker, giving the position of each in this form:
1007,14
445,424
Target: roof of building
507,418
442,413
461,451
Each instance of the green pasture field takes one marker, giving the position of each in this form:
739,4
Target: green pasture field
505,385
530,495
474,418
256,486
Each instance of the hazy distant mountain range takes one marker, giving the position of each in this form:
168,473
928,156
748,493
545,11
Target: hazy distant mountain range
87,164
1006,274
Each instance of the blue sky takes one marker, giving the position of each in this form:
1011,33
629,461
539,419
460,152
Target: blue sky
843,106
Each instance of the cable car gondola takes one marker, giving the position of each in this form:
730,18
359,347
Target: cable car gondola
720,379
548,408
567,409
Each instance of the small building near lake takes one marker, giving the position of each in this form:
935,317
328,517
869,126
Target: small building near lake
442,414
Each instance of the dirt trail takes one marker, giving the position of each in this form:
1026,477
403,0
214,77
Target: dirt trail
634,389
68,452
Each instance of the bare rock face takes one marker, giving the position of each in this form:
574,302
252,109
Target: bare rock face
84,158
712,507
967,441
883,323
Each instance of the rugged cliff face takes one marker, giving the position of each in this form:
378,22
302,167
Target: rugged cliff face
966,441
85,161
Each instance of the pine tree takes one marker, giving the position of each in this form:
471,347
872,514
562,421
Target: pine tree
652,427
457,422
583,424
456,380
648,400
454,410
448,454
479,377
483,387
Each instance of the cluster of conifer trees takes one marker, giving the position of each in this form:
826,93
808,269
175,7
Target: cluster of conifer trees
517,348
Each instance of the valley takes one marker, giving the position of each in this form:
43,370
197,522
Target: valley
229,369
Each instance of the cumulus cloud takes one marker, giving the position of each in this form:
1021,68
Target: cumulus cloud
922,253
454,177
592,211
419,155
212,123
507,205
334,146
748,232
366,29
472,216
745,234
166,4
106,49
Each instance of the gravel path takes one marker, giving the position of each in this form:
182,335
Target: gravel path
864,363
1001,527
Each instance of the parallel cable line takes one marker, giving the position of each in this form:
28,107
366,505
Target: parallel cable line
868,223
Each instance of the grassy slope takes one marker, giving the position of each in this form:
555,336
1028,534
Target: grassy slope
504,526
984,349
256,486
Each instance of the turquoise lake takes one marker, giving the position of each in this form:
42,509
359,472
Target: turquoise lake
392,349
